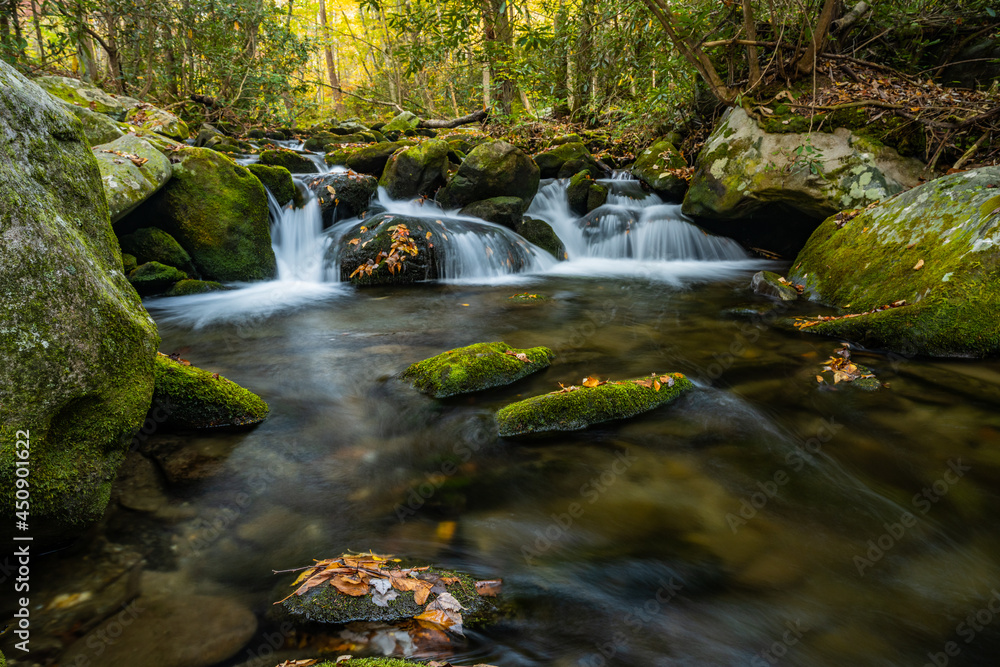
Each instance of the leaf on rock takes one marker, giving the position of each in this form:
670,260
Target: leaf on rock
489,588
444,611
521,356
591,381
919,265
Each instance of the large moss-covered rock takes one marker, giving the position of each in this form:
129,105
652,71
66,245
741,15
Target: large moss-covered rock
81,93
128,182
742,169
936,246
196,398
402,122
583,406
542,235
217,211
565,160
494,169
98,127
416,170
369,160
294,162
652,165
77,345
343,195
150,244
475,368
277,180
584,194
189,287
157,120
153,277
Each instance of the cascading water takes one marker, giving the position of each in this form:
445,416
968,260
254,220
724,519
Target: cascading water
633,224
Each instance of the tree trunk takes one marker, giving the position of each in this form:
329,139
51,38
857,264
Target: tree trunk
170,61
560,89
331,66
750,28
38,33
819,35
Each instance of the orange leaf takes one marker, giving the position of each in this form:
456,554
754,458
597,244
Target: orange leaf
591,381
489,587
919,265
354,242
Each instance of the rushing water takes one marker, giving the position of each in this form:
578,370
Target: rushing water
761,519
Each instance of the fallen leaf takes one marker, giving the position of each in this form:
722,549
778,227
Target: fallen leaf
591,381
919,265
489,588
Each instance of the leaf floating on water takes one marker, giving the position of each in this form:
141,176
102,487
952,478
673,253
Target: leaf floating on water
489,588
444,611
428,236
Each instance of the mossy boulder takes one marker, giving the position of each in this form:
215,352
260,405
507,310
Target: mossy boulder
319,140
475,368
153,277
217,211
350,126
325,604
565,160
651,168
150,244
76,343
294,162
98,127
198,399
936,246
768,283
81,93
506,211
416,170
584,194
277,180
402,122
343,195
128,263
369,160
584,406
743,169
189,287
566,139
493,169
542,235
127,182
157,120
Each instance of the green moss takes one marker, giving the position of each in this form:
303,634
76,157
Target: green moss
325,604
277,180
951,300
150,244
290,160
128,263
188,287
475,368
542,235
652,165
369,160
416,170
159,121
217,211
196,398
582,407
371,662
565,160
494,169
153,277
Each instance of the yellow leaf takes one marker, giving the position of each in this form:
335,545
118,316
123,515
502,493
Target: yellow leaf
919,265
428,235
591,381
354,242
819,378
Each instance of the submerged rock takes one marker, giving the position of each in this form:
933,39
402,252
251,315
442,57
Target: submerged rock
150,244
494,169
416,170
128,182
277,180
196,398
153,277
217,211
565,160
77,344
294,162
651,168
936,248
343,196
743,169
475,368
767,283
182,631
157,120
584,406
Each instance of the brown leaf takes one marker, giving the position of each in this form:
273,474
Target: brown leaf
349,584
489,588
919,265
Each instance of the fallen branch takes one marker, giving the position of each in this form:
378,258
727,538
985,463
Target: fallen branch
475,117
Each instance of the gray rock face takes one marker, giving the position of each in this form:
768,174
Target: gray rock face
343,195
98,127
84,94
742,168
69,321
128,182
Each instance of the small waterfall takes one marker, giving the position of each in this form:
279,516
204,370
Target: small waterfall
633,224
297,240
